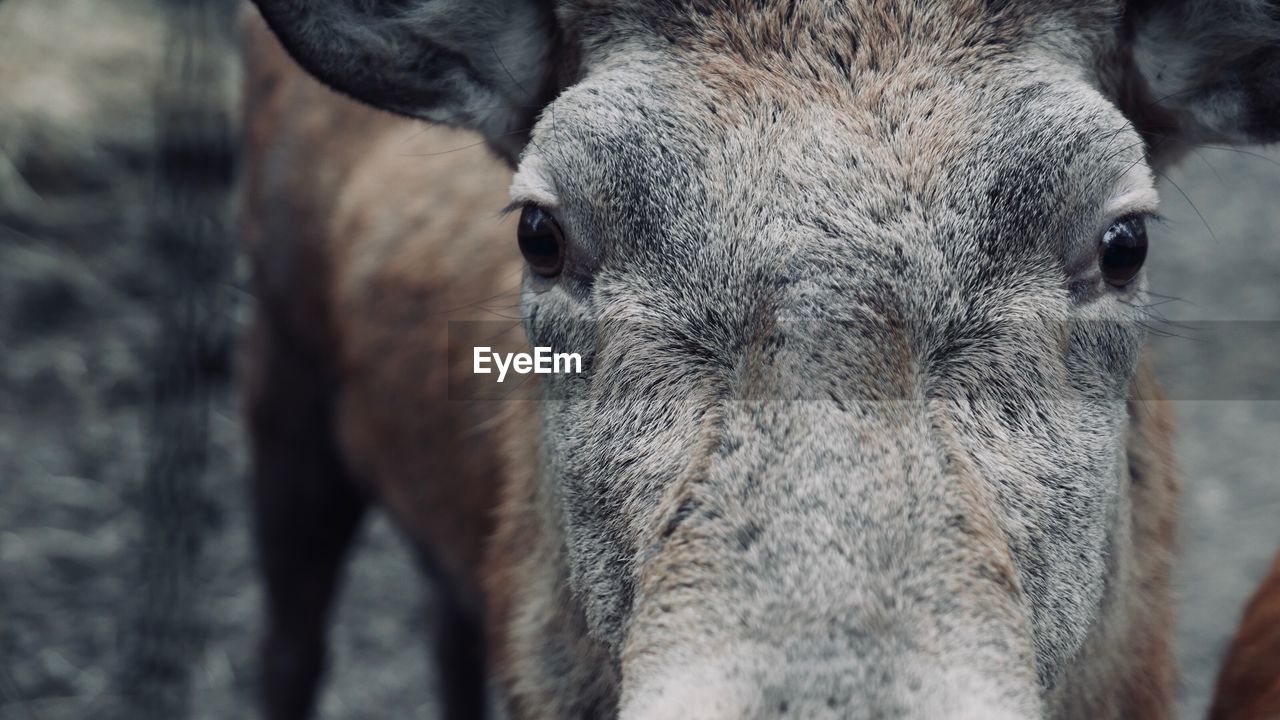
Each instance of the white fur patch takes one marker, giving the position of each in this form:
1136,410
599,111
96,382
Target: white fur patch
702,690
531,184
1135,193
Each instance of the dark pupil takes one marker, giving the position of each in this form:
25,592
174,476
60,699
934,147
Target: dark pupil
540,241
1124,248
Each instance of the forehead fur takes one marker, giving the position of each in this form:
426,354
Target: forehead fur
1019,140
911,72
829,44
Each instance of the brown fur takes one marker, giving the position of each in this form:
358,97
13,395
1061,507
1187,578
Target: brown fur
1249,684
374,291
364,250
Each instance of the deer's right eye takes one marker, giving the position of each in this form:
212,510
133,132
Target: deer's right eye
541,241
1122,250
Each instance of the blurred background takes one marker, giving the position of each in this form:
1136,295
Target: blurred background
124,562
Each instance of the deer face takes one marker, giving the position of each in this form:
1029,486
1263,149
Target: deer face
855,415
858,291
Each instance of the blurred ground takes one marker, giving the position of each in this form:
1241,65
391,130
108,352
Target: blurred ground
75,323
77,318
1219,264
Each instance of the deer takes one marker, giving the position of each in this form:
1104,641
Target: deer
1248,685
864,426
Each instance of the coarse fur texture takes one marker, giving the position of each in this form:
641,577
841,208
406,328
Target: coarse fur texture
862,431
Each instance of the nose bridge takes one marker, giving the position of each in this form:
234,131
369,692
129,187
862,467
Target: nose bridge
836,556
852,487
711,691
851,329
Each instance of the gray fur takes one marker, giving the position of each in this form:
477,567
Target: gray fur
854,435
821,435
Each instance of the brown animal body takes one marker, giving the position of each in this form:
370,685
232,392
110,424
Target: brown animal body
1249,683
617,554
363,252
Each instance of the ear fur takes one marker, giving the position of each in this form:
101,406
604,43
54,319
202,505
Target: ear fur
481,64
1204,71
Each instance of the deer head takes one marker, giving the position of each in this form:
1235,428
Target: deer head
857,285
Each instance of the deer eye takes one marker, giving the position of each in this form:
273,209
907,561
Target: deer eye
1122,250
541,241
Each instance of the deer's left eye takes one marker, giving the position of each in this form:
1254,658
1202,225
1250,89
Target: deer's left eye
1122,250
541,241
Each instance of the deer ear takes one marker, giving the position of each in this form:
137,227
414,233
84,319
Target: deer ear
481,64
1204,71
